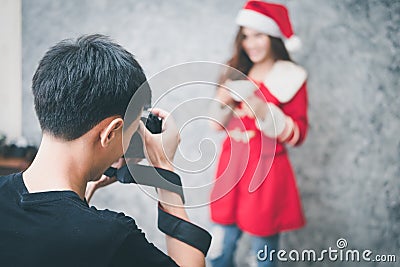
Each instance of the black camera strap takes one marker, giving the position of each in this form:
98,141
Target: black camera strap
169,224
184,231
148,175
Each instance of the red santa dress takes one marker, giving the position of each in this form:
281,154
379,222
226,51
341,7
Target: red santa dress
255,185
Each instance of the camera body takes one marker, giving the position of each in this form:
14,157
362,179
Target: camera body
154,124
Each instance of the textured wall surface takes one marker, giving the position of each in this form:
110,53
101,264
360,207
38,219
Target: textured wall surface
348,170
10,69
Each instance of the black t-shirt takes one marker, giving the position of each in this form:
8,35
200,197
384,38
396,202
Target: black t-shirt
57,228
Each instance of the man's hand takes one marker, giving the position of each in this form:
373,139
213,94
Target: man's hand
160,149
93,186
103,181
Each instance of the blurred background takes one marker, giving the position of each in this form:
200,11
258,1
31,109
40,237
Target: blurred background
348,170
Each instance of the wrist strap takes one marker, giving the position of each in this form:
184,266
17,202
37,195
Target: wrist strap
184,231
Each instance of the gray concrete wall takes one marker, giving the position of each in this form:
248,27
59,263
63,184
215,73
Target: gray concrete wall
348,170
10,69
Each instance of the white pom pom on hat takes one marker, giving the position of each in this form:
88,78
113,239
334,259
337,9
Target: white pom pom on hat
269,18
293,44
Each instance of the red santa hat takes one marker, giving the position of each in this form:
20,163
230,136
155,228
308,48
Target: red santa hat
269,18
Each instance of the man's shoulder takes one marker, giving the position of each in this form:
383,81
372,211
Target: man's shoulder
71,204
4,179
111,217
6,184
89,223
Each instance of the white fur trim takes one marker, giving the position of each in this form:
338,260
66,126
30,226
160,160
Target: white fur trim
285,79
288,131
258,22
293,44
274,122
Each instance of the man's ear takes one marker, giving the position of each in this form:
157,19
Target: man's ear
110,130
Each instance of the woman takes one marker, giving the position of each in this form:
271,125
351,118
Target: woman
255,189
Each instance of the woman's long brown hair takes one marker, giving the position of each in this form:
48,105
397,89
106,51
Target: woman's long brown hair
240,61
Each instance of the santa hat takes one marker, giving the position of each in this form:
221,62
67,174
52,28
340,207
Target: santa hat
271,19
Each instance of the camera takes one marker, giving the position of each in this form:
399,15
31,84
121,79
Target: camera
154,124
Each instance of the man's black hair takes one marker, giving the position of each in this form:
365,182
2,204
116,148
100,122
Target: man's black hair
79,83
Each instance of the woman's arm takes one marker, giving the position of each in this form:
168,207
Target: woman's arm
296,124
287,123
221,109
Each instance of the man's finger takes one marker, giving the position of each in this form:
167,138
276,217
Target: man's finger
160,113
89,192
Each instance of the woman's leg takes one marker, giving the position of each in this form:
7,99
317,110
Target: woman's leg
223,245
261,248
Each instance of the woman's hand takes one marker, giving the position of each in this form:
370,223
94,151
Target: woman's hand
271,119
225,96
240,89
256,107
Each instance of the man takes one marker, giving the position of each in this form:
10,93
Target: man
81,91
